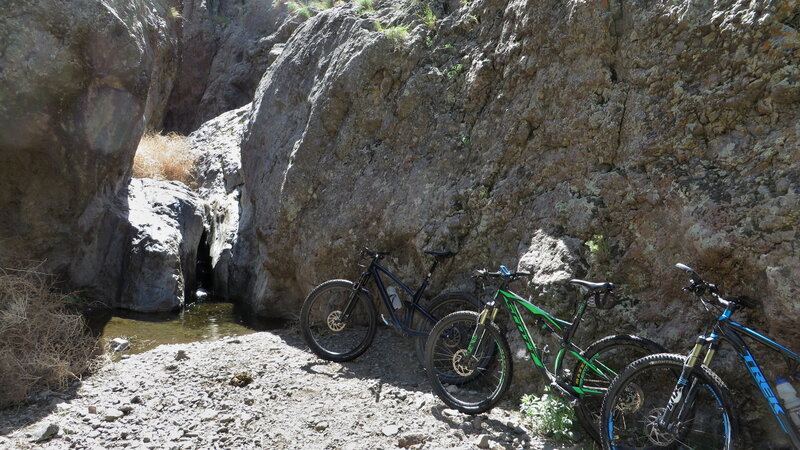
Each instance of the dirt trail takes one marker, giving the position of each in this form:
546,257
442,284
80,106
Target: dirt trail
180,397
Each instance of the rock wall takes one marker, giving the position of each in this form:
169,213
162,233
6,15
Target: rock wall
658,132
78,83
226,45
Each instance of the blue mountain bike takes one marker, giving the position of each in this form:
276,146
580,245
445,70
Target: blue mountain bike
676,401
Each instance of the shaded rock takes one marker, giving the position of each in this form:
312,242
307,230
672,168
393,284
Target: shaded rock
411,439
145,256
80,81
45,432
181,355
225,48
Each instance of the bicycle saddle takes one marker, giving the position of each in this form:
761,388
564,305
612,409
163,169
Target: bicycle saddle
440,254
593,286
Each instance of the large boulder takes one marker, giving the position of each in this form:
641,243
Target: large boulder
145,256
225,48
663,134
79,81
654,132
221,186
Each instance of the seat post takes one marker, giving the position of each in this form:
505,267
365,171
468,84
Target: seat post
433,267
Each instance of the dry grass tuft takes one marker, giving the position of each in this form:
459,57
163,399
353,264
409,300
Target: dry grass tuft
42,346
164,157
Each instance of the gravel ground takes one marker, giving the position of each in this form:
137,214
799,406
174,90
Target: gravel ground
183,396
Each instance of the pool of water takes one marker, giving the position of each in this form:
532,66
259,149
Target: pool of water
205,321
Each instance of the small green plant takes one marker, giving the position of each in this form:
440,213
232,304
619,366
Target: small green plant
428,41
484,192
365,6
473,19
428,18
397,33
455,71
323,4
466,141
174,13
300,9
549,416
598,245
222,20
448,46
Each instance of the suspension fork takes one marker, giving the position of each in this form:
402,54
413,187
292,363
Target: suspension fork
486,316
682,399
351,302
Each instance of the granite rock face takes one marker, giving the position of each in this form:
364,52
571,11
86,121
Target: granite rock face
226,45
79,81
221,186
145,257
657,132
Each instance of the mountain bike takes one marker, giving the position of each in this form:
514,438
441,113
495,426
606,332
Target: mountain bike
338,318
469,364
676,401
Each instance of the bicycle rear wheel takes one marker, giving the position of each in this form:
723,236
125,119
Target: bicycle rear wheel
610,355
323,331
637,398
475,385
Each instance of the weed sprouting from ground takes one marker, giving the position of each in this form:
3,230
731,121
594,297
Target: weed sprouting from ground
164,157
549,416
42,345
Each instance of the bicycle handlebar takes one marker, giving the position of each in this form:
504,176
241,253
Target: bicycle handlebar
484,273
701,288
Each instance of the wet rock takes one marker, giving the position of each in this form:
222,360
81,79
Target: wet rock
119,344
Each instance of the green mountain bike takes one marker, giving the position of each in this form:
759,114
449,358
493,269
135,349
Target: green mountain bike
469,364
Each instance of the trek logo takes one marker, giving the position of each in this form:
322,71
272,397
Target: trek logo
758,377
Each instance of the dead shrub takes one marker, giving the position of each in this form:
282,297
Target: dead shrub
42,345
164,157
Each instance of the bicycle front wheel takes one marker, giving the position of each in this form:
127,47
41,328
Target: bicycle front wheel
323,327
636,401
471,384
441,305
608,357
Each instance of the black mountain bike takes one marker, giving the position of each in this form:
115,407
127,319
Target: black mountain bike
338,318
676,401
469,362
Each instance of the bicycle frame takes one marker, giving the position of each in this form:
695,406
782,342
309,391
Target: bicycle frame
373,272
733,332
562,330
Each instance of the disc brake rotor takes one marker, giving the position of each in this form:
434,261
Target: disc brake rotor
334,323
460,366
631,399
657,436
